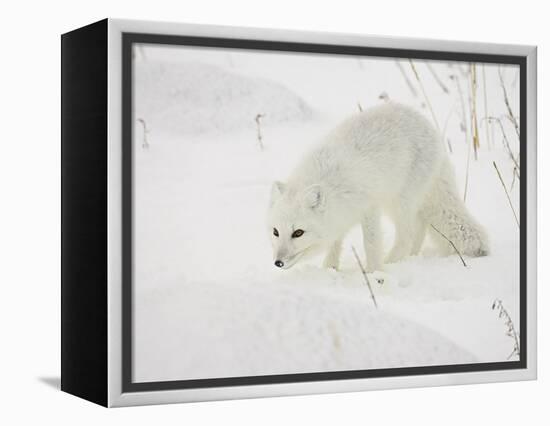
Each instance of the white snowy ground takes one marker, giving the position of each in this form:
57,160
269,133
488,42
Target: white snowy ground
208,301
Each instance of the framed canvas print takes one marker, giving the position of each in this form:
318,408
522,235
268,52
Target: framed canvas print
253,213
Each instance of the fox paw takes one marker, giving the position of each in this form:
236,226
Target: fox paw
331,263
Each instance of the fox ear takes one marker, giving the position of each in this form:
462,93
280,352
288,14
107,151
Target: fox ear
314,197
277,189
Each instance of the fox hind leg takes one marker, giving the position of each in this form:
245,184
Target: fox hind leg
405,219
419,236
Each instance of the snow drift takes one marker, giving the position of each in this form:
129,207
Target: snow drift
195,98
257,329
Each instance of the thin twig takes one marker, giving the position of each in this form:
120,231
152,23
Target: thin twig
449,145
475,130
424,94
511,330
436,78
259,130
365,276
359,107
511,115
511,120
514,174
451,243
444,131
145,144
506,191
506,142
407,79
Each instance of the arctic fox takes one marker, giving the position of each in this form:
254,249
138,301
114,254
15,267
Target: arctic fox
386,160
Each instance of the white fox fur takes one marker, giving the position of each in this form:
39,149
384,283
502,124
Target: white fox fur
385,160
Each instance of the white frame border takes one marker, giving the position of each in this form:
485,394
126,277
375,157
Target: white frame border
115,395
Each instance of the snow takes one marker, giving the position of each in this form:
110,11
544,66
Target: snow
207,300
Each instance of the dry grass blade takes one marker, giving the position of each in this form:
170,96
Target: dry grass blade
511,115
437,79
506,143
426,99
451,243
510,329
364,272
259,130
506,191
514,175
488,141
145,144
445,125
475,130
407,79
449,145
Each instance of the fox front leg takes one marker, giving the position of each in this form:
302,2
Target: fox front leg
332,259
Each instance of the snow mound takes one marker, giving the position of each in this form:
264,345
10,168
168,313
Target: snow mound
196,98
220,330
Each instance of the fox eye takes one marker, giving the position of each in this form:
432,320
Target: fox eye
275,232
298,233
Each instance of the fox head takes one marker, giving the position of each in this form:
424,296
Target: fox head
295,223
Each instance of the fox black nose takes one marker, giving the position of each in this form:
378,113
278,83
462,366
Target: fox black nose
279,264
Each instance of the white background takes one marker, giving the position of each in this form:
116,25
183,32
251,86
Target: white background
30,199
